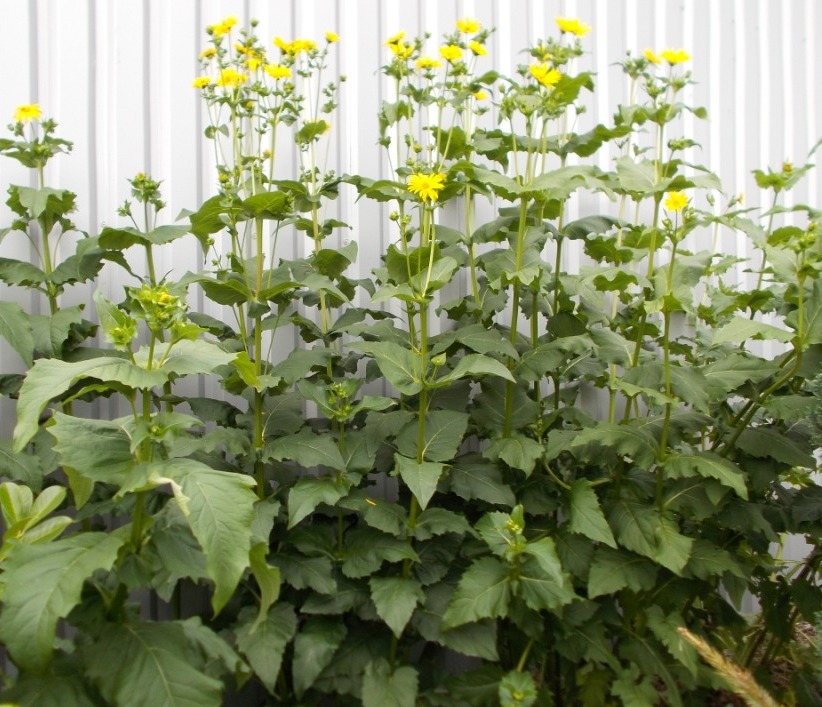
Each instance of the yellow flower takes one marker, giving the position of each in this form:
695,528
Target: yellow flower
396,39
332,37
675,56
676,201
402,50
302,45
451,53
477,48
468,26
427,63
650,56
208,53
277,71
282,45
480,95
27,113
253,63
545,74
231,78
426,186
223,27
572,26
201,82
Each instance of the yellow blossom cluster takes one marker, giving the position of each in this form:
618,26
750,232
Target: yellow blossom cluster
27,113
427,63
201,82
277,71
231,78
295,47
572,26
426,186
400,49
477,48
544,74
332,37
468,25
672,56
223,27
451,53
676,201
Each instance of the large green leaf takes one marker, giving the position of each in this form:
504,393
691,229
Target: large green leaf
444,430
268,579
473,478
154,667
16,329
612,570
710,465
310,492
263,643
399,365
622,439
474,365
20,467
307,449
420,477
382,687
812,320
395,599
586,517
97,449
647,531
314,649
303,572
43,584
542,582
517,451
484,591
767,442
740,329
219,508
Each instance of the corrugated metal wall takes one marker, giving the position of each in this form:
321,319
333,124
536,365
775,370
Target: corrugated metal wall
116,75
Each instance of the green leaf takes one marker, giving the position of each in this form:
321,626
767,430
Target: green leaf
303,572
742,329
484,591
367,549
517,451
623,439
62,686
475,365
97,449
395,599
730,372
477,338
314,649
399,365
439,521
420,477
635,689
612,570
517,689
812,320
20,467
310,492
383,688
444,431
155,667
307,449
766,442
586,517
263,643
542,582
472,478
16,329
708,465
268,205
219,508
268,580
648,532
43,584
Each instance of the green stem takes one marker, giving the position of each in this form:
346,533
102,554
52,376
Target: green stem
524,657
469,230
509,387
259,440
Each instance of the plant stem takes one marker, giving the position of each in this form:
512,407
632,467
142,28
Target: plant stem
509,387
259,439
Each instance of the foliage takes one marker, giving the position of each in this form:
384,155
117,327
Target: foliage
393,492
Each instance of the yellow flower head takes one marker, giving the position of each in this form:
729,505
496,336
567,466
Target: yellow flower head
572,26
302,45
653,58
675,56
451,53
468,26
332,37
253,63
676,201
477,48
480,95
231,78
277,71
396,39
545,74
201,82
426,186
27,113
207,53
282,45
401,50
427,63
223,27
